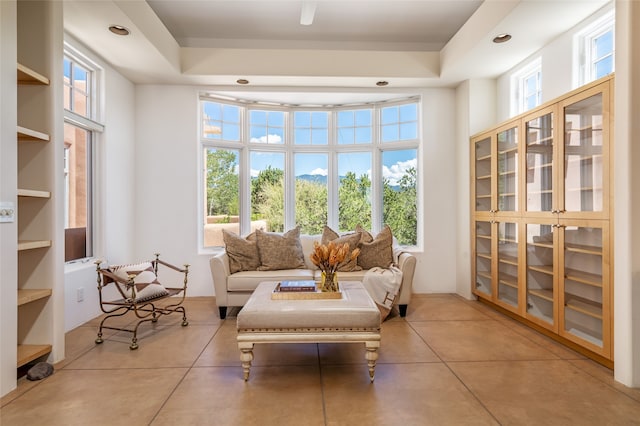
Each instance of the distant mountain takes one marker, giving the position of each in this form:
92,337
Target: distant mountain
323,180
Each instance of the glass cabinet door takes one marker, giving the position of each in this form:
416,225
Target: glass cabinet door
540,274
539,135
482,176
508,263
483,258
508,170
584,286
583,155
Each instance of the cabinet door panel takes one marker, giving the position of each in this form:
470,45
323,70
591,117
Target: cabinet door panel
585,285
508,258
540,155
508,170
483,260
483,178
540,276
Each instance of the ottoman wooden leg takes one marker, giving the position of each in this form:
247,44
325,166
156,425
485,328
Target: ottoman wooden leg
371,356
246,356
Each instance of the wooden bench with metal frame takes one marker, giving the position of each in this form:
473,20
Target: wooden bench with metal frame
145,309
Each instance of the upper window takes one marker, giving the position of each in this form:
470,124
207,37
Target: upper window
309,167
526,87
596,49
80,133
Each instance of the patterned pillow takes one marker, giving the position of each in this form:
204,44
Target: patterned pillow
353,239
242,252
146,283
280,251
376,251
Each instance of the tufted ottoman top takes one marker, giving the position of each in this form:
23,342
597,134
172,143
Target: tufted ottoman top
355,311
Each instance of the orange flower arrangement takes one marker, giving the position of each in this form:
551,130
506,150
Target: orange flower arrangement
328,258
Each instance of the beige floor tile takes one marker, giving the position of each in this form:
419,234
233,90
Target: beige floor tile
478,341
222,350
94,397
402,394
442,307
174,346
549,393
219,396
200,310
605,375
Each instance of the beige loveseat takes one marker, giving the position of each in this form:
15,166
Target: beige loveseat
234,289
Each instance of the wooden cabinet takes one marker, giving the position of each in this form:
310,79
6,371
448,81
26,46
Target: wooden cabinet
540,208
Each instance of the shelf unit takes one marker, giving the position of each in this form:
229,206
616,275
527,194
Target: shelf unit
30,300
546,257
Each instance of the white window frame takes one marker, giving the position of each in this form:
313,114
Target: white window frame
518,86
95,128
377,147
584,60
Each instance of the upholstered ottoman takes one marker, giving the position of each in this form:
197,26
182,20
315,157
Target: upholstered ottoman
352,318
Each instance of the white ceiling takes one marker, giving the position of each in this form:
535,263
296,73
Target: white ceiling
350,45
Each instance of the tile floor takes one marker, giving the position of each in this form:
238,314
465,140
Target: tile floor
449,362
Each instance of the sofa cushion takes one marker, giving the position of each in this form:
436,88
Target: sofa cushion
280,251
353,239
376,251
249,280
242,252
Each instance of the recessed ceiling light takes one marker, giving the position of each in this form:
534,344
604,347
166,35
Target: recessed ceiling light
502,38
119,30
382,83
242,81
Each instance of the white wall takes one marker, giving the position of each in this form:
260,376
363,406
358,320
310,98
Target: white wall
113,191
167,173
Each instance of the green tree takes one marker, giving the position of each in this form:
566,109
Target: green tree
311,206
354,206
400,208
271,206
262,187
222,183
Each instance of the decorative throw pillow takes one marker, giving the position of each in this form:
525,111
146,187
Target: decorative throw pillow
146,284
280,251
242,252
376,251
353,239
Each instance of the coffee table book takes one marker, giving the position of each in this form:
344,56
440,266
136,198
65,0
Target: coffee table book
315,294
307,285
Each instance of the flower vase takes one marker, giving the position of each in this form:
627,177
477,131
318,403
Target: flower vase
329,281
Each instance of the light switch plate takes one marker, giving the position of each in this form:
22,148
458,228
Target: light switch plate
7,211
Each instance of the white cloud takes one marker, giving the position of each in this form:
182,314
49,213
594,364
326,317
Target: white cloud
267,139
398,170
254,173
318,171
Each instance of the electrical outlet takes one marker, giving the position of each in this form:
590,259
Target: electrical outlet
80,294
7,212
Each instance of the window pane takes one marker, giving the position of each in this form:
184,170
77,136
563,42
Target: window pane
354,126
311,192
266,127
77,174
220,121
258,117
603,45
223,192
302,119
302,136
319,119
389,115
604,67
319,137
267,191
399,200
409,112
390,133
408,131
354,191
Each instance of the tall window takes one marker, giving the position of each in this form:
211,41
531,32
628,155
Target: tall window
80,130
526,87
595,47
282,166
